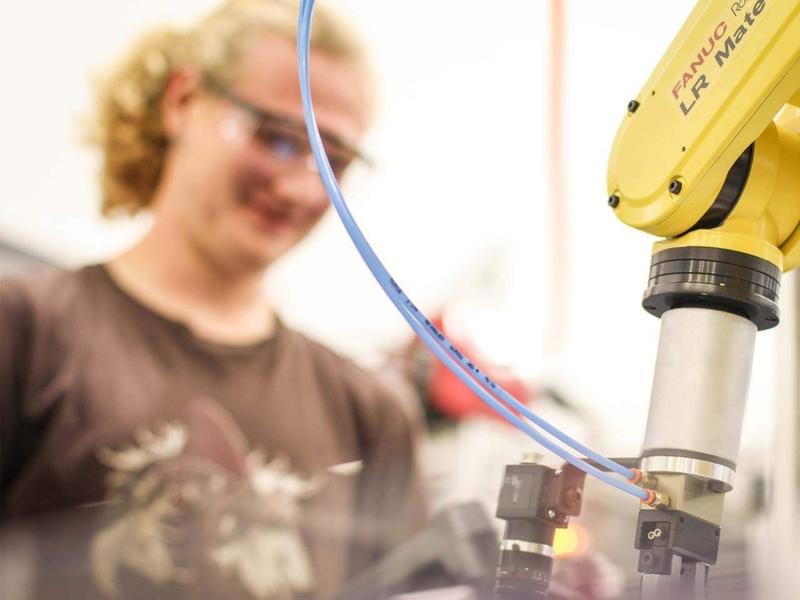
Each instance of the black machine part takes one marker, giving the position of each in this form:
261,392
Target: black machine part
534,501
534,491
731,191
664,534
717,279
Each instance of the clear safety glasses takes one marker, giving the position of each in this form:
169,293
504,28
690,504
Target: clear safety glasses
282,140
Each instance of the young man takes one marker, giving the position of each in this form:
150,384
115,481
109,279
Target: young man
231,456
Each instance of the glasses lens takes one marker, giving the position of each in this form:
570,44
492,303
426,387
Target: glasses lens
283,145
289,148
339,158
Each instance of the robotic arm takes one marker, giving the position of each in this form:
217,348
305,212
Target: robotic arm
698,158
702,160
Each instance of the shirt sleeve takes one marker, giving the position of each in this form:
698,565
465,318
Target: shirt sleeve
392,497
16,333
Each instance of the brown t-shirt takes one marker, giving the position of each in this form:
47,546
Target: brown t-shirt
203,470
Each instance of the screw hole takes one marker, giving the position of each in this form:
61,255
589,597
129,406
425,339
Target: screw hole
683,149
682,519
653,93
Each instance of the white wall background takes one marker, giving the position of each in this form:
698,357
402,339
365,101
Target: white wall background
460,198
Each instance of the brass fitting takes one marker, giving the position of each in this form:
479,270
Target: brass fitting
643,479
656,499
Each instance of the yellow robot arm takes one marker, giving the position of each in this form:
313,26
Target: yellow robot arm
708,157
699,157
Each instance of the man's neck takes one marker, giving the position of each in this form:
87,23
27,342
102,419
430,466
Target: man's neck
165,274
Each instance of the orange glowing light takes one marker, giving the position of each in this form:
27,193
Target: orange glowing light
571,541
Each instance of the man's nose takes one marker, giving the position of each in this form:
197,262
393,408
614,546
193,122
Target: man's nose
302,186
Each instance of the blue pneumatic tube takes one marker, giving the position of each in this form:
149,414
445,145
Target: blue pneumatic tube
444,350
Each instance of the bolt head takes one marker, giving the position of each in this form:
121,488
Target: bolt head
632,106
532,458
613,201
675,186
573,497
551,514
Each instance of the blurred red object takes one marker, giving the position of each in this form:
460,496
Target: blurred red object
444,392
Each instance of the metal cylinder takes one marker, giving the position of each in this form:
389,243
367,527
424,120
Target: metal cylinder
702,378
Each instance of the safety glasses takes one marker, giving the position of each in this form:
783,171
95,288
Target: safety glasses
284,141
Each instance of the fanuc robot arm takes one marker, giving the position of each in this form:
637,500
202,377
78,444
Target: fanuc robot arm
708,157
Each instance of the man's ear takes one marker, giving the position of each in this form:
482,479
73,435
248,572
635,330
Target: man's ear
180,95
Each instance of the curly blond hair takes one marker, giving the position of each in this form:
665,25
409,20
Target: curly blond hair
127,125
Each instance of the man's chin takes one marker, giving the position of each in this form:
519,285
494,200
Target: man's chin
261,251
261,258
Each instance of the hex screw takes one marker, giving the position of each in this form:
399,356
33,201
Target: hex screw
632,106
532,458
613,201
675,187
573,497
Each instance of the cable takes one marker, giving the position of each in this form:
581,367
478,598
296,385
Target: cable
409,311
427,332
515,420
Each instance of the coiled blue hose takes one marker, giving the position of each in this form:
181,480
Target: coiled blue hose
444,350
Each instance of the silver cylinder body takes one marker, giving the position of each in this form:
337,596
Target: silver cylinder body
702,378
